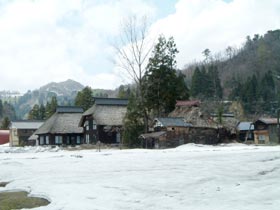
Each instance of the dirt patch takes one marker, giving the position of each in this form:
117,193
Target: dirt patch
19,200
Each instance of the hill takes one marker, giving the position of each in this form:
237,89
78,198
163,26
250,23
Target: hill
65,92
249,74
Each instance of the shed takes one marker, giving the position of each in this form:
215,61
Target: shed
21,130
245,131
266,131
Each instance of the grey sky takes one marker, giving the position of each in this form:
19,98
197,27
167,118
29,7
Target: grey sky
54,40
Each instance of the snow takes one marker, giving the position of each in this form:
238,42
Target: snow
193,177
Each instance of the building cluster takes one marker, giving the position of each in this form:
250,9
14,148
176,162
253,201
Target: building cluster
103,123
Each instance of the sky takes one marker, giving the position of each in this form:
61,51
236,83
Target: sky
44,41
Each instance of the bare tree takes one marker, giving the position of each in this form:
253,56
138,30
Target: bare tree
133,51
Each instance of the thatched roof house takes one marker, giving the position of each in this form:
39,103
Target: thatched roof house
104,120
62,127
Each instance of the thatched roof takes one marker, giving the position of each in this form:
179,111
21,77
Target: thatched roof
107,111
197,118
194,116
62,122
172,122
106,115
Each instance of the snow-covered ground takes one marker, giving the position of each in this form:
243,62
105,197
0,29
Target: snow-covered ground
190,177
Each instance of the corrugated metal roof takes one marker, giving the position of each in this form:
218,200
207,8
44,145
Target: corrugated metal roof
69,109
245,126
188,103
26,124
173,121
111,101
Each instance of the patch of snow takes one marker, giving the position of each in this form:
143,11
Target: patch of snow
195,177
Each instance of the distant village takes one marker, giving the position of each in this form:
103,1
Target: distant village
103,124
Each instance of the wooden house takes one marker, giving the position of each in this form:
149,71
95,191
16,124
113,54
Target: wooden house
168,132
62,128
21,130
245,131
104,121
266,131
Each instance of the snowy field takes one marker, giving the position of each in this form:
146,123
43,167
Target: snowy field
190,177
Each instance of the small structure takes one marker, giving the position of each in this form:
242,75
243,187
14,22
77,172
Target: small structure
62,128
168,132
245,131
21,130
266,131
4,136
104,121
152,140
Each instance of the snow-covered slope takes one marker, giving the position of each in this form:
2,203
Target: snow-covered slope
190,177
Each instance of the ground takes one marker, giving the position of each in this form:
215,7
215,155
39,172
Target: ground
192,177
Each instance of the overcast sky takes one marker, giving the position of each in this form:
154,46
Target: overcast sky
54,40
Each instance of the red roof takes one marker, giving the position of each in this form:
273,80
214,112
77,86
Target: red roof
188,103
4,136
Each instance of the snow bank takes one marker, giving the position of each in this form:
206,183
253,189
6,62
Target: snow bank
27,149
195,177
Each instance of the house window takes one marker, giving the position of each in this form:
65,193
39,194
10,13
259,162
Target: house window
87,138
41,140
78,140
47,140
261,139
86,125
58,139
94,126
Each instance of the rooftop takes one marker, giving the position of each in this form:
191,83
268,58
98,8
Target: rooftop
61,123
69,109
173,121
111,101
26,124
245,126
268,120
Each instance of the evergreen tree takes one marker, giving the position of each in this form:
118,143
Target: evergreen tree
196,82
214,83
34,113
133,123
51,107
5,123
163,86
42,112
124,92
84,98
